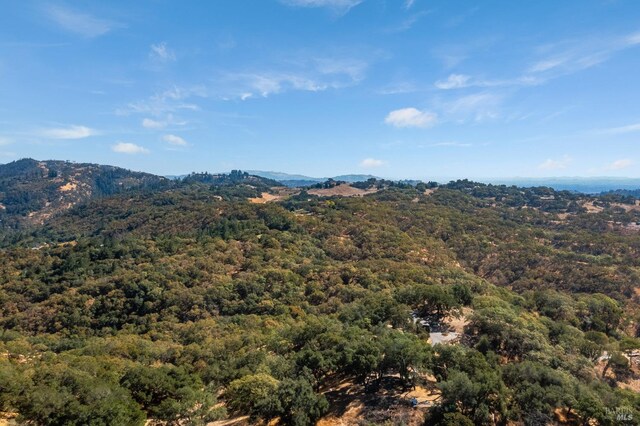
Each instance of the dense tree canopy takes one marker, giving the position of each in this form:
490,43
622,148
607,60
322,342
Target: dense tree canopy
188,303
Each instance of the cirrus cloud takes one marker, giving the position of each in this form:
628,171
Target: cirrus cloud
635,127
79,22
411,117
339,7
161,53
454,81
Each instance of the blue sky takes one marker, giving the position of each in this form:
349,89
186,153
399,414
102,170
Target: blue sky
396,88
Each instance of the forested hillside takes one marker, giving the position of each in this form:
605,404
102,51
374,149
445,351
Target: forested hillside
457,304
32,191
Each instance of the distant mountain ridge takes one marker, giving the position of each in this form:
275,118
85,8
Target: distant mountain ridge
302,180
593,185
31,191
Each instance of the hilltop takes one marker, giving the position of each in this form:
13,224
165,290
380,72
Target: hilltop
32,191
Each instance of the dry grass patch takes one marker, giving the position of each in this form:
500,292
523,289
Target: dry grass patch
342,190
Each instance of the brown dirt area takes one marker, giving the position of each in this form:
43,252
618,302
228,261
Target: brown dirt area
265,197
68,187
350,404
276,194
458,324
343,190
591,208
628,207
8,419
234,421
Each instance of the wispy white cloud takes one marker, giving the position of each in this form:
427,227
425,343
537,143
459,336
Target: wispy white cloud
149,123
339,7
174,140
79,23
547,64
371,163
407,23
328,66
168,120
555,60
129,148
461,81
555,164
270,83
622,129
478,107
311,75
454,81
398,88
161,53
633,39
408,4
31,44
166,102
411,117
461,18
71,132
570,56
5,141
619,164
454,144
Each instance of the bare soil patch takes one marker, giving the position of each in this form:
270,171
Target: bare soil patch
265,197
343,190
276,194
628,207
234,421
591,207
68,187
388,403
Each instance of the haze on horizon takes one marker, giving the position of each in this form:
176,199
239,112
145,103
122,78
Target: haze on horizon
392,88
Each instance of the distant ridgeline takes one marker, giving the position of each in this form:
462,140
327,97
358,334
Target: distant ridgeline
625,192
32,191
302,181
583,185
